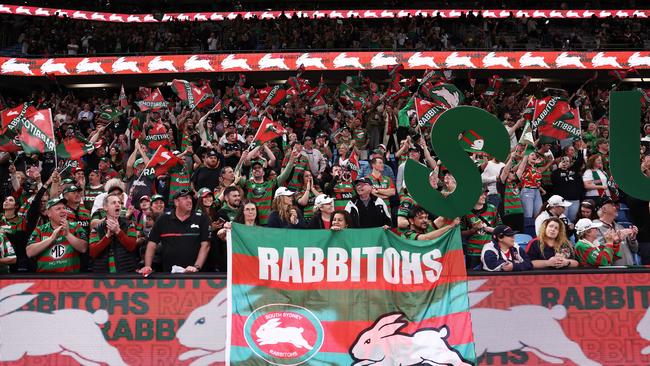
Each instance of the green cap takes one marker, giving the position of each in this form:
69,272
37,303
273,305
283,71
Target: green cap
72,188
138,161
157,197
204,191
55,201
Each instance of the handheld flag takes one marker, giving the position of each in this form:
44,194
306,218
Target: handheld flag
163,160
37,135
123,101
153,102
74,148
267,131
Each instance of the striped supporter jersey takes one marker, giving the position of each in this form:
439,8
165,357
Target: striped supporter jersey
60,256
262,195
476,241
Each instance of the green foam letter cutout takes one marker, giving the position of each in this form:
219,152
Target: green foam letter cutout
444,139
625,145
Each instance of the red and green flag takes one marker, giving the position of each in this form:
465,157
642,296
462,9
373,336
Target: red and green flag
191,95
108,114
352,297
10,144
494,85
163,160
153,102
472,142
550,109
319,106
351,97
562,128
123,101
12,119
272,95
445,93
428,112
268,131
37,134
157,136
74,148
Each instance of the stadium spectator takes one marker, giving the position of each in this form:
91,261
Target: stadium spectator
477,228
628,244
552,249
367,210
502,254
341,220
324,207
589,251
555,207
284,214
420,228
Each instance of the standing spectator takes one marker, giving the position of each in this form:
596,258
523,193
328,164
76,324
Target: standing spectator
382,186
183,236
113,242
595,179
317,162
367,210
306,196
501,254
57,244
207,176
567,183
552,249
7,254
477,228
284,214
530,175
511,210
555,207
230,207
489,177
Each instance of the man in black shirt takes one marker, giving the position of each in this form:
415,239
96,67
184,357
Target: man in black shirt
208,176
232,149
183,235
367,210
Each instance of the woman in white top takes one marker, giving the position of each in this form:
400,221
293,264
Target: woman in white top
595,179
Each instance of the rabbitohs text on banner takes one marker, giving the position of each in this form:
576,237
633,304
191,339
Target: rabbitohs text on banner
354,297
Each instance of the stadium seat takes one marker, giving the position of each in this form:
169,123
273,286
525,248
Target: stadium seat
522,240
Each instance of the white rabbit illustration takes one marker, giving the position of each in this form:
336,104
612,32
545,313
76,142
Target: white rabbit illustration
381,344
271,333
68,332
204,331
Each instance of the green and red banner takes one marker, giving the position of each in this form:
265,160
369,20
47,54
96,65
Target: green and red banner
74,148
37,134
353,297
550,109
190,94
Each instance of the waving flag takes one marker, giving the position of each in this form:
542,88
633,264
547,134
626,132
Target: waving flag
10,144
403,117
267,131
562,128
108,114
157,136
190,94
123,101
428,112
74,148
353,297
494,85
319,107
153,102
550,109
448,94
272,95
12,119
162,160
37,134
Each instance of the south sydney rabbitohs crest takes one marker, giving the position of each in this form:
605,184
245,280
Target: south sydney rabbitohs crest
284,334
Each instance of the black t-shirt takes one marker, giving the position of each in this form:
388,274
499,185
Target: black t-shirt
206,177
181,240
232,161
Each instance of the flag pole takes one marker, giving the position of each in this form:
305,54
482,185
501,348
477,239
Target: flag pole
56,159
147,165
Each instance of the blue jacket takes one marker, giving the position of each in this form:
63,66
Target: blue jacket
493,260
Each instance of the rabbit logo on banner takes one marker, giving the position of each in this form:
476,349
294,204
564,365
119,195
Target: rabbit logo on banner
284,334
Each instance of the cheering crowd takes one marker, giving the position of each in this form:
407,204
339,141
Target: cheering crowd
48,36
117,208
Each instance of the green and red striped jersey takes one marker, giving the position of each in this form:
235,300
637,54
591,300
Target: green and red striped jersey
594,255
406,203
6,251
60,256
81,216
343,193
308,210
476,241
262,195
179,179
13,225
512,199
90,194
300,165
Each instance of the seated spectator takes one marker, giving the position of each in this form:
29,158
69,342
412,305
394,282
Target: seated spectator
552,249
607,214
501,254
341,220
324,206
587,210
589,251
555,207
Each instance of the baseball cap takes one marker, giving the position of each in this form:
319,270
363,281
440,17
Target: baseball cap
557,200
77,169
156,197
212,153
138,161
204,192
105,159
323,199
145,198
362,180
606,200
55,201
585,224
67,181
72,188
182,193
283,191
502,230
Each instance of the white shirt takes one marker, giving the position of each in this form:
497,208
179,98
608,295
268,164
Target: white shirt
490,175
589,176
